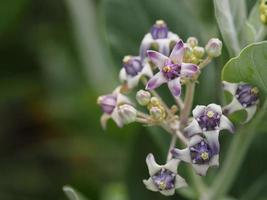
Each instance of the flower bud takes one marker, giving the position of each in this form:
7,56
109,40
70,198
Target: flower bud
132,65
143,97
127,113
263,11
157,113
198,51
188,53
214,47
192,41
107,103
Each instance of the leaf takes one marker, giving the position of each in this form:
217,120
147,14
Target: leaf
250,66
72,194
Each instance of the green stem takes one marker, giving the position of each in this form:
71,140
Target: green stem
235,157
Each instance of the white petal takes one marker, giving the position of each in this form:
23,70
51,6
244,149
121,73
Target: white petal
198,110
116,117
201,169
232,107
150,185
123,75
167,192
213,140
230,87
214,161
153,167
172,36
177,52
250,112
175,86
145,45
195,140
172,165
179,182
193,128
133,81
182,154
157,58
215,107
122,99
225,123
156,80
103,120
147,71
164,46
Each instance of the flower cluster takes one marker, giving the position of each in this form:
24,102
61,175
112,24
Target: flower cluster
165,58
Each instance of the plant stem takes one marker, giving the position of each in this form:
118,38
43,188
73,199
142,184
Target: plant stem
172,145
235,157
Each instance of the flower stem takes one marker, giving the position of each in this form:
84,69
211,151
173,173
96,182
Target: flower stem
172,145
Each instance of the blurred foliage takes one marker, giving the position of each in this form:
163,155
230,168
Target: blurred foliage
50,133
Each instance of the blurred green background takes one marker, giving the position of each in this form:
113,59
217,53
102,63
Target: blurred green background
56,57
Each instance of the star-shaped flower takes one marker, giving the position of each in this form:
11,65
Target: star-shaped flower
160,36
172,69
245,97
199,153
133,69
209,120
163,178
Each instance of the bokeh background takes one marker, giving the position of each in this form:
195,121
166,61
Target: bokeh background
56,57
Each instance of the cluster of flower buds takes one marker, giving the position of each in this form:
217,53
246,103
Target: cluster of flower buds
165,58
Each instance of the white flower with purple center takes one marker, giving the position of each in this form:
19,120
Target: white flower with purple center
209,120
172,69
110,105
159,35
245,97
163,178
199,153
133,69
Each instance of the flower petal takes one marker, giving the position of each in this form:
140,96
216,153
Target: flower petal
116,117
189,69
250,112
157,58
164,46
145,45
133,81
123,75
230,87
213,140
150,185
214,161
232,107
153,167
175,86
147,71
225,123
156,80
201,169
198,110
216,108
103,120
177,52
181,154
172,165
122,99
192,129
179,182
195,140
167,192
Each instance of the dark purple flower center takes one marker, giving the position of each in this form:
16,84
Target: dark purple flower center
164,179
200,153
171,70
159,30
108,103
132,65
209,120
247,95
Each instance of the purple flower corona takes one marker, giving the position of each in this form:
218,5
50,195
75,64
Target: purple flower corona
132,65
172,69
247,95
164,179
159,30
108,103
209,120
200,153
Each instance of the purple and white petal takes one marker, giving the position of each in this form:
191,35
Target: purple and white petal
150,185
189,69
216,108
156,80
193,128
225,123
177,52
172,165
175,86
232,107
153,167
181,154
167,192
198,110
103,120
157,58
230,87
213,140
179,182
201,169
116,117
214,161
250,112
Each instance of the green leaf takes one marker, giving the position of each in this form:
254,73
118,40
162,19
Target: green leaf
249,66
72,194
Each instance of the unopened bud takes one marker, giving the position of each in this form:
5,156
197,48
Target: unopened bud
154,101
263,11
192,41
188,53
198,51
157,113
214,47
127,113
143,97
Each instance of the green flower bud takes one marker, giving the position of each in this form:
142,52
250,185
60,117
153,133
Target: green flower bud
127,113
157,113
143,97
198,51
214,47
192,42
263,11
